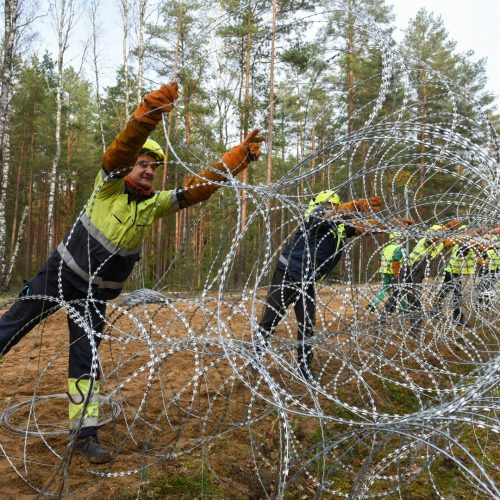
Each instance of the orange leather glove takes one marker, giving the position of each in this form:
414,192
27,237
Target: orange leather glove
235,160
405,220
452,224
125,148
156,103
372,204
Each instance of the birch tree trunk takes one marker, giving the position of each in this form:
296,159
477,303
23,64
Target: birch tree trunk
15,253
94,7
125,11
3,197
11,17
141,14
64,18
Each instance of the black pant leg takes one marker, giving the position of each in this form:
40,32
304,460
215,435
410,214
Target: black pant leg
27,312
281,294
84,412
456,284
80,349
446,288
305,312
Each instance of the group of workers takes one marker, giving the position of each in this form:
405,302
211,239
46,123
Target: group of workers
98,254
472,253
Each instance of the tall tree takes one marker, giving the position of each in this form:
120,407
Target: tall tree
11,17
64,18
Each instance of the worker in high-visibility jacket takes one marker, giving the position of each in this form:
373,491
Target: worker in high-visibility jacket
462,262
315,250
412,273
97,255
490,260
390,264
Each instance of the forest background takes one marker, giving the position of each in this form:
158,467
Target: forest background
302,77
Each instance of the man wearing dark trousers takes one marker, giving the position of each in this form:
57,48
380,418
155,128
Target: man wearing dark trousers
94,259
315,250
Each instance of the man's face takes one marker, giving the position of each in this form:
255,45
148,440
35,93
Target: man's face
143,172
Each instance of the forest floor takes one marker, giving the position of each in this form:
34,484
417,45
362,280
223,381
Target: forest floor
202,430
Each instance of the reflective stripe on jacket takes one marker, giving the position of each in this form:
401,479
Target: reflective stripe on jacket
316,247
493,255
422,249
462,261
105,243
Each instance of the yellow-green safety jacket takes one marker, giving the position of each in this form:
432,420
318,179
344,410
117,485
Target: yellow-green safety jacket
390,253
422,249
105,243
463,260
493,255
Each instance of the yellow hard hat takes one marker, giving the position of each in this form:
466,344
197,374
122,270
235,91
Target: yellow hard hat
435,227
153,149
396,235
327,196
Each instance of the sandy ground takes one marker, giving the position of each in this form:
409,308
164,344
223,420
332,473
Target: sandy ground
188,404
176,393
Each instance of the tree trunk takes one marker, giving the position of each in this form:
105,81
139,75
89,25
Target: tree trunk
93,19
64,16
141,7
3,199
125,10
15,253
11,16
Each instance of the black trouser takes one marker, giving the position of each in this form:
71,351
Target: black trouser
486,285
28,311
407,279
452,283
283,292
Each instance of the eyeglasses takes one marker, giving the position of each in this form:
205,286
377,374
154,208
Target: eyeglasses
145,164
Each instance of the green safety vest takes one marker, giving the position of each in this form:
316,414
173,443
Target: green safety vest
424,249
461,264
105,243
388,257
493,255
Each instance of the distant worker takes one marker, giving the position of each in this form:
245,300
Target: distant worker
315,250
412,273
490,268
462,262
98,254
391,257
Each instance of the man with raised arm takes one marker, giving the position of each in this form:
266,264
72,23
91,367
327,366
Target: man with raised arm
94,259
315,250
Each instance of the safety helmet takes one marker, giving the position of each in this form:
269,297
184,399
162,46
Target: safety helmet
435,227
153,149
396,235
327,196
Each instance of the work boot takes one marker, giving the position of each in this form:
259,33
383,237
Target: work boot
90,448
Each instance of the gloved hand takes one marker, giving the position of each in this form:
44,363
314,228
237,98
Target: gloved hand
372,204
405,220
236,160
125,148
156,103
452,224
